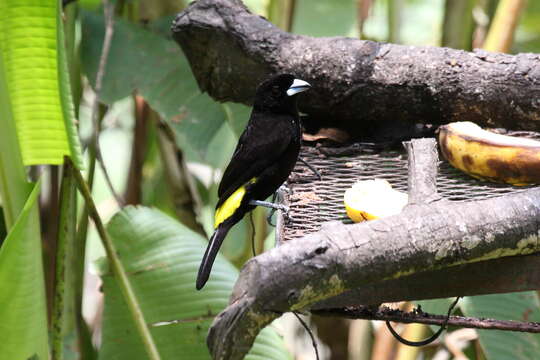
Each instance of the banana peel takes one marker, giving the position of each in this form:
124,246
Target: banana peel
489,156
373,199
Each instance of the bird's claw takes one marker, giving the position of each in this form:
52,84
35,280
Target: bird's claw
283,188
286,215
312,168
273,208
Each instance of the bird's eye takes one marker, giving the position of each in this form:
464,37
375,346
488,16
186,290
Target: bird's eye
276,90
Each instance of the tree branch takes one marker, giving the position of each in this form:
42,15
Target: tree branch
387,314
368,89
429,247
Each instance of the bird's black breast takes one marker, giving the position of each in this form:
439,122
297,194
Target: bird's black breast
277,173
267,151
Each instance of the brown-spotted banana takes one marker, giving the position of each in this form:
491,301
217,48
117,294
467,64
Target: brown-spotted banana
486,155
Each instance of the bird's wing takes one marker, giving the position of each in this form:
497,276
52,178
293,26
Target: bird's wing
262,143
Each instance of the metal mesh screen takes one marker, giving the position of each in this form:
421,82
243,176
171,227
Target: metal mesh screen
313,201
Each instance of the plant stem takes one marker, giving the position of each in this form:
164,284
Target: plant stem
458,24
71,14
281,13
261,227
363,8
86,348
501,32
133,193
50,214
64,255
118,270
395,9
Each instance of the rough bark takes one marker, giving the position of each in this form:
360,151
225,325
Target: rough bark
433,245
422,162
369,89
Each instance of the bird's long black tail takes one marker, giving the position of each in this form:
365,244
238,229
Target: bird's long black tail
210,254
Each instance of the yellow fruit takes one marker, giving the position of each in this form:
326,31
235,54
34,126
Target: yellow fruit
373,199
489,156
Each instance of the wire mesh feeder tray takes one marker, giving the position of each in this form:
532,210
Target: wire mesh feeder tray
313,202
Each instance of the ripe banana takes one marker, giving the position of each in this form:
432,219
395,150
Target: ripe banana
489,156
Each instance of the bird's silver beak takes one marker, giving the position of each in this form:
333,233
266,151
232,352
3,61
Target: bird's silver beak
298,86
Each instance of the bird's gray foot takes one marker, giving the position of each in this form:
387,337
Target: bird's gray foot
273,207
269,205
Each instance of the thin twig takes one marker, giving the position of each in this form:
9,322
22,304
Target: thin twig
430,339
310,333
420,317
108,11
118,270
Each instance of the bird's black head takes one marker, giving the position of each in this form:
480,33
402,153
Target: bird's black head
278,94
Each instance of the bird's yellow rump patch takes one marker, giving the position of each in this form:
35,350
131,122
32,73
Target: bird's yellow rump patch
230,205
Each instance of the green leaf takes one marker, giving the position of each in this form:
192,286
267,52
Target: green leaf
435,306
34,70
23,319
237,116
162,257
14,189
258,7
527,34
90,4
221,147
66,98
156,67
523,306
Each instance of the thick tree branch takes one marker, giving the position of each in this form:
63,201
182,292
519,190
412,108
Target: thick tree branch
424,252
504,275
441,235
359,86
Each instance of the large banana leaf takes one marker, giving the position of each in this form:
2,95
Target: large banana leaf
31,44
23,320
14,189
523,306
162,257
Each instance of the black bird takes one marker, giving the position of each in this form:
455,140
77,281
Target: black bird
264,157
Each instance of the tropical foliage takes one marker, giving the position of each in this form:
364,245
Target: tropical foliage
71,288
